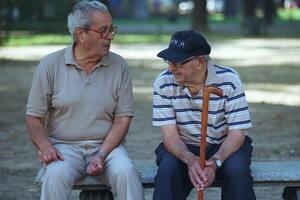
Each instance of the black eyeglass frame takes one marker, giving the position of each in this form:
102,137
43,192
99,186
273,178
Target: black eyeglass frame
180,63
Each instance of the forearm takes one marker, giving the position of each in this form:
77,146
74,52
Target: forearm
117,133
231,144
37,132
174,144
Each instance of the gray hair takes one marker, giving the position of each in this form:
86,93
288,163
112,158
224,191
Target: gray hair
207,58
80,17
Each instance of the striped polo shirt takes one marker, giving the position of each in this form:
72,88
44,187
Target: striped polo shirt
174,104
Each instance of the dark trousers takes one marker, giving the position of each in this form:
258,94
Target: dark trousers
172,180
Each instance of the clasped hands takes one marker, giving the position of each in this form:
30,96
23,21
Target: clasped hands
50,153
201,178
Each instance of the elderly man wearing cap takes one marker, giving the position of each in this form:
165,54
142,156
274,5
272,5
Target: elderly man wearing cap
177,102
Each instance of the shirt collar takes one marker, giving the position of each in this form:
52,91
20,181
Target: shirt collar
69,58
211,73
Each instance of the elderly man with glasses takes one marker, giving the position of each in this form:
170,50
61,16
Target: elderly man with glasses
177,103
79,110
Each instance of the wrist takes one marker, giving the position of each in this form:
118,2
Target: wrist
188,158
217,162
44,147
101,155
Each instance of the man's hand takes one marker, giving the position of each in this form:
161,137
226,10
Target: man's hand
210,172
96,166
196,174
49,154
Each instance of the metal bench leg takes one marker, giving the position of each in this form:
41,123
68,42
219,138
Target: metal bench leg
96,195
291,193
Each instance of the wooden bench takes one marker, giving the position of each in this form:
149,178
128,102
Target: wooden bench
285,174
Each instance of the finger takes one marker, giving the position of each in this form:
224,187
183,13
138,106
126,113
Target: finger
192,179
46,158
59,155
88,169
201,174
196,177
210,176
209,163
53,155
95,171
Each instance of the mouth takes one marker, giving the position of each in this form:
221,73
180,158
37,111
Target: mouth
106,47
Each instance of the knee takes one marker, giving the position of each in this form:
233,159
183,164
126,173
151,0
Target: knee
235,172
57,174
125,172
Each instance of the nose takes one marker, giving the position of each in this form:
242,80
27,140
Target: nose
110,36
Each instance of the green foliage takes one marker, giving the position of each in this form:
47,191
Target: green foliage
37,40
54,39
289,14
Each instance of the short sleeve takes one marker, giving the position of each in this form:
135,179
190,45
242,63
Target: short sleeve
40,92
163,111
236,109
125,95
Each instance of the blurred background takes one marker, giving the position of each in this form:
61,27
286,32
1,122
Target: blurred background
20,19
258,38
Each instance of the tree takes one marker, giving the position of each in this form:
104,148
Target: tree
251,24
230,8
269,9
200,16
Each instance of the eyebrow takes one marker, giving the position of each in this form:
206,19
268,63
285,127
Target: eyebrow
106,26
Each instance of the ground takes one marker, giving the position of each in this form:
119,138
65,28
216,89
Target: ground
269,68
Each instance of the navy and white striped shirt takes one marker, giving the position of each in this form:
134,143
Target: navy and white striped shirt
174,104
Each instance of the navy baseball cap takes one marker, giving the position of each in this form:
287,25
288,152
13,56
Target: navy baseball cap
185,44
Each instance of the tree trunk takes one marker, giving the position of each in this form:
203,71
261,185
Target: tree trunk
251,25
269,12
230,8
249,8
199,16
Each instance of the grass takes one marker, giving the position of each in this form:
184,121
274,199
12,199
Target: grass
59,39
28,39
288,15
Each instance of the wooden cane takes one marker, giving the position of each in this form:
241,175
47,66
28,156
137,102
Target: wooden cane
205,103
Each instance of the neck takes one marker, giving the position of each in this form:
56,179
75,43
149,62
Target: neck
198,83
85,59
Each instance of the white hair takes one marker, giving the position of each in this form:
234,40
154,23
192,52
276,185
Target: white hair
207,58
80,17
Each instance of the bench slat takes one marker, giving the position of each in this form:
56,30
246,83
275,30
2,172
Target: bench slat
264,173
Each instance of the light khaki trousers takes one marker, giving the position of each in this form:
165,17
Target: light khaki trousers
120,173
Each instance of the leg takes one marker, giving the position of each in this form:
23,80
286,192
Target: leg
291,193
172,181
122,176
96,194
60,176
236,174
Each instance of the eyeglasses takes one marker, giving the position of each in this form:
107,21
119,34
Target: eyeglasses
105,31
179,64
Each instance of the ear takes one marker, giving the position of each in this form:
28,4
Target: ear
200,61
80,35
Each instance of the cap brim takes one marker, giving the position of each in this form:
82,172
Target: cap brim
172,56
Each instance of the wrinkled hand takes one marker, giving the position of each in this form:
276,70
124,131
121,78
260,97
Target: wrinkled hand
50,154
96,166
196,174
210,172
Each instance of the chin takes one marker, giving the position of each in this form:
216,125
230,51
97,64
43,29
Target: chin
105,52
